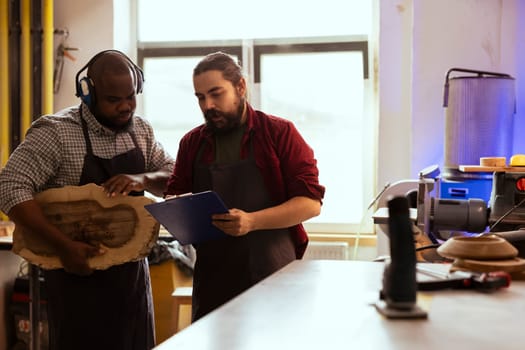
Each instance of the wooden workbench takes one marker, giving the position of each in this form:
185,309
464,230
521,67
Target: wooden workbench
318,305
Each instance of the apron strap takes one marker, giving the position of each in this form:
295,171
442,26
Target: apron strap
89,149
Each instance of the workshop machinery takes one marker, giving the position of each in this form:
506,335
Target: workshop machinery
440,218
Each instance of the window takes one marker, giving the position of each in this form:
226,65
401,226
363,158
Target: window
317,76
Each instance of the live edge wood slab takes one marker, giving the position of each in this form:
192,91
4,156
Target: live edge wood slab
120,225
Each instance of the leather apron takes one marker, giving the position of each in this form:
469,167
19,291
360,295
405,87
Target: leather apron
109,309
226,267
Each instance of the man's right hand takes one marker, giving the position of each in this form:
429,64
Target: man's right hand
75,255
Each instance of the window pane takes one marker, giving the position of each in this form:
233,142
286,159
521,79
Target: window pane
322,93
239,19
170,103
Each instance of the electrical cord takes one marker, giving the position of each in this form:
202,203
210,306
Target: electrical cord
358,234
363,218
504,216
387,185
430,246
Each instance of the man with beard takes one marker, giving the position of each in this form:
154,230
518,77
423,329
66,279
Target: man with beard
100,141
265,173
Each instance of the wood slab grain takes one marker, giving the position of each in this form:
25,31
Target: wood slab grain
120,225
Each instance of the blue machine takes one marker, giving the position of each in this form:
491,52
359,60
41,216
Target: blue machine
466,188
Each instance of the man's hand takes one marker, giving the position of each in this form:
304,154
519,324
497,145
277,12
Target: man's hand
124,184
234,223
75,255
287,214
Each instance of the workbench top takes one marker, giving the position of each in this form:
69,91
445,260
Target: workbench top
315,304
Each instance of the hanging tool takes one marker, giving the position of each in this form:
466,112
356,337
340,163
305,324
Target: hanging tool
61,52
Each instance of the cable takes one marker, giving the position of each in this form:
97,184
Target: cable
363,218
358,234
430,246
506,214
387,185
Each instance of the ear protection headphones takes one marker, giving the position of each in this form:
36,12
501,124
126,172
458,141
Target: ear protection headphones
85,88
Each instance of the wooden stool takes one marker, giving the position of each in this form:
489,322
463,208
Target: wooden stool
181,296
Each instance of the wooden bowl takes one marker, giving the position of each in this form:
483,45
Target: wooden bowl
488,247
507,265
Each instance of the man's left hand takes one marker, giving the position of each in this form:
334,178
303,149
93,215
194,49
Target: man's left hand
234,223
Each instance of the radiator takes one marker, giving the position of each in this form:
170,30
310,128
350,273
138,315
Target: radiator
317,250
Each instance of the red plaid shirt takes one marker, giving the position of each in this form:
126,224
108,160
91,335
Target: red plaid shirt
285,160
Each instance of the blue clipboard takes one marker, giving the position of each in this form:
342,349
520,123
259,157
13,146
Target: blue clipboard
188,217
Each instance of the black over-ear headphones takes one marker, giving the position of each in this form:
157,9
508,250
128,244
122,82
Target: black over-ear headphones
85,88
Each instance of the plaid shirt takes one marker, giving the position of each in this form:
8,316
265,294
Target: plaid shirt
52,154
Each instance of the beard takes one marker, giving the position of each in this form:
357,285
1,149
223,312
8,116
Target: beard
223,122
115,122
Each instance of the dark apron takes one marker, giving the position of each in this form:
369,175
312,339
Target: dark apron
109,309
226,267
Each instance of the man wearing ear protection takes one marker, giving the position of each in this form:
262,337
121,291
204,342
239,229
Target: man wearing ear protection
100,141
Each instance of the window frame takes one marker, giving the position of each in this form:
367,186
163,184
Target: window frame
250,53
264,49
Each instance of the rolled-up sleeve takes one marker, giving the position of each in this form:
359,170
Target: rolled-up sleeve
295,170
30,166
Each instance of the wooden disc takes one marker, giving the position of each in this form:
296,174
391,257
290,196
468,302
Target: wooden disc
507,265
489,247
493,161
